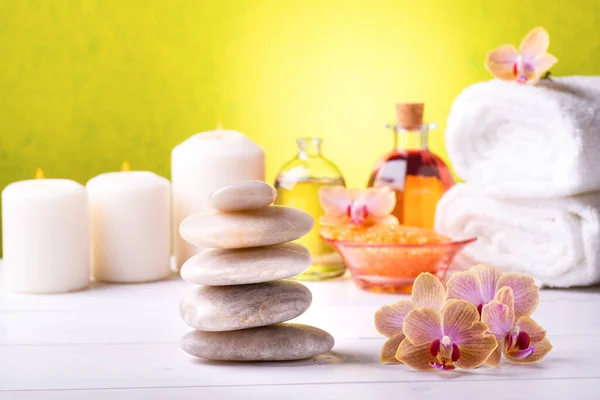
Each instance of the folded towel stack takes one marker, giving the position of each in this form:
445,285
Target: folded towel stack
529,155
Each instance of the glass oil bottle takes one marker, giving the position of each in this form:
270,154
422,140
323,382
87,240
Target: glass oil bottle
298,184
418,177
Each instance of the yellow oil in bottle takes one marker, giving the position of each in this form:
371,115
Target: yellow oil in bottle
304,194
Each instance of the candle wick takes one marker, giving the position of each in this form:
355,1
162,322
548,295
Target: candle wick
39,174
125,166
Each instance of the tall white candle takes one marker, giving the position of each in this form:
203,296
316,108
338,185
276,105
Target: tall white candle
202,164
46,236
131,226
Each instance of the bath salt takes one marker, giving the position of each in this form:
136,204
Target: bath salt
383,234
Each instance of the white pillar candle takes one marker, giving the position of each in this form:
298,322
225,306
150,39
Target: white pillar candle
131,226
202,164
46,236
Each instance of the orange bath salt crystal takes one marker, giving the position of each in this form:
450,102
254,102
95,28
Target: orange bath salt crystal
383,234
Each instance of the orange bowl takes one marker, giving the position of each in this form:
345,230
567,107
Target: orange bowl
392,268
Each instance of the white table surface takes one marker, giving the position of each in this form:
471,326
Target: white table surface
122,342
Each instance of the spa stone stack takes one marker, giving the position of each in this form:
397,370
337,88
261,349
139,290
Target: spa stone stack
239,310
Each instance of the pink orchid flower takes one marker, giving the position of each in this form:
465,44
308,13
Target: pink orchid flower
525,65
447,339
427,291
479,285
354,206
522,339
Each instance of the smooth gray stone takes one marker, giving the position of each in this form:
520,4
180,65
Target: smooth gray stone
228,308
219,267
279,342
247,195
263,227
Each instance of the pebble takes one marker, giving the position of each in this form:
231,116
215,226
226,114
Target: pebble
219,267
279,342
247,195
226,308
262,227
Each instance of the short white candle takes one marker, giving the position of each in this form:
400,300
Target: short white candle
46,236
202,164
131,226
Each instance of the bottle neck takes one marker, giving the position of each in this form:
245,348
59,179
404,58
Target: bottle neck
310,147
411,139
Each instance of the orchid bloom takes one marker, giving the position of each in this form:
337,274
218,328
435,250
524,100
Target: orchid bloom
443,340
480,284
428,292
364,207
522,339
525,65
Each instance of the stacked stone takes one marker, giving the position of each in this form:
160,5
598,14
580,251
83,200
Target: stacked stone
239,311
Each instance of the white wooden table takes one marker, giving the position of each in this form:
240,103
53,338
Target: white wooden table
122,342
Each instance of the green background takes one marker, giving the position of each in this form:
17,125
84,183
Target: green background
85,85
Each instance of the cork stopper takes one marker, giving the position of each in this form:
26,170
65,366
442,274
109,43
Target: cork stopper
410,115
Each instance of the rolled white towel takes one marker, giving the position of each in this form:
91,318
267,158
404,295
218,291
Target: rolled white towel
525,140
556,240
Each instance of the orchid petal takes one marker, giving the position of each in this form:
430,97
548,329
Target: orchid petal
522,341
354,194
441,367
499,314
434,347
387,220
535,44
332,220
379,201
488,278
531,75
428,292
417,357
494,358
534,330
520,355
540,350
475,351
505,296
389,319
498,317
461,321
423,326
335,200
526,293
543,63
501,61
464,285
390,347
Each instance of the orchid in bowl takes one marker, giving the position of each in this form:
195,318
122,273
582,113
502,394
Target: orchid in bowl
526,65
381,254
480,315
354,206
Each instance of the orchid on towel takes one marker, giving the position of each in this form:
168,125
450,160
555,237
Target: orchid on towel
354,206
525,65
481,313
